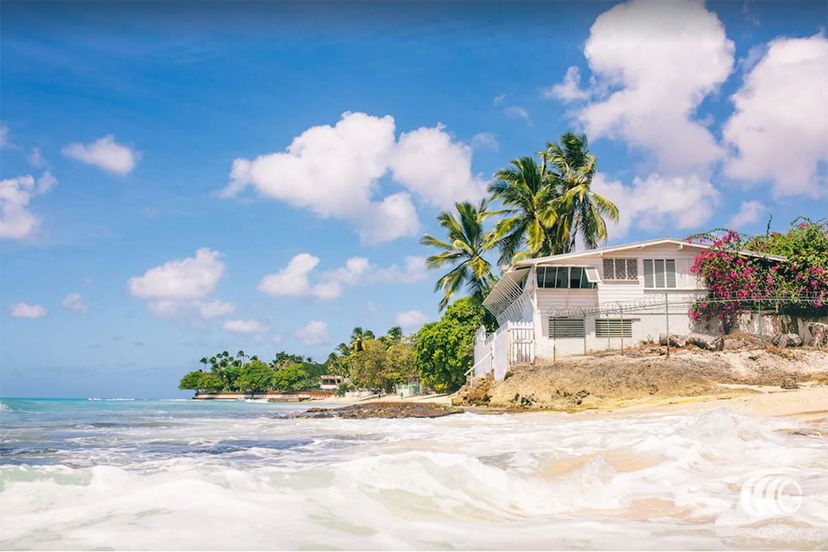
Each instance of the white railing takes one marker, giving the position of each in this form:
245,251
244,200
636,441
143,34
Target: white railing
512,343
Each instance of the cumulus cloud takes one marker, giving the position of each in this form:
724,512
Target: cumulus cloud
25,310
16,220
435,168
313,333
334,171
105,153
750,212
658,202
652,64
183,286
778,132
74,302
411,320
295,279
569,90
245,326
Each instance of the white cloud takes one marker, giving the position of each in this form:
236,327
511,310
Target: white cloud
485,140
750,212
659,60
435,168
183,285
569,90
313,333
334,171
105,154
181,279
74,302
295,279
16,220
658,202
245,326
779,129
411,320
25,310
4,136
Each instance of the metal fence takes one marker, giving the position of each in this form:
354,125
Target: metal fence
765,317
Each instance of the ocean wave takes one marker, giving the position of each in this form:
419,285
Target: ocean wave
470,481
108,399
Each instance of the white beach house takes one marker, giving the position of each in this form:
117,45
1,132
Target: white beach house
591,300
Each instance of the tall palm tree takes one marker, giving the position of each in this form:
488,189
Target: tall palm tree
528,197
581,211
464,250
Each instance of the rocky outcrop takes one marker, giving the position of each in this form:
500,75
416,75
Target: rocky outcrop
387,410
819,334
674,340
475,392
787,340
706,342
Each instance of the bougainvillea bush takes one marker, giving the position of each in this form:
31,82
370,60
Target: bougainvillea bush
741,282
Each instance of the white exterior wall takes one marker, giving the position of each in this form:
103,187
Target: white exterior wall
647,323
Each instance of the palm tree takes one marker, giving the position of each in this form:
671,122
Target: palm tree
359,337
528,197
465,249
581,211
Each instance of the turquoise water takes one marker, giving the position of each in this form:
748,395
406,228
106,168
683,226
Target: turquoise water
93,474
80,432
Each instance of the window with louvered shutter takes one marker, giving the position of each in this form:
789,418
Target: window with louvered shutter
659,273
563,328
670,270
614,327
648,273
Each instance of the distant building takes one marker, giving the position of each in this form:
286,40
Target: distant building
331,383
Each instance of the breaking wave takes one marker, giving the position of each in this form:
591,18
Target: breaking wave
470,481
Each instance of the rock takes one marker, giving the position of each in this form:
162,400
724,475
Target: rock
789,384
706,342
386,410
735,344
675,340
475,392
787,340
819,334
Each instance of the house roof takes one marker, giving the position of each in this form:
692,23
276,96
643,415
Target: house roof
637,245
510,284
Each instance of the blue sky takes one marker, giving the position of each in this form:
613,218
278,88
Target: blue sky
141,229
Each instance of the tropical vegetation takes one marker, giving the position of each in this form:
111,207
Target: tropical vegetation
545,208
538,205
738,282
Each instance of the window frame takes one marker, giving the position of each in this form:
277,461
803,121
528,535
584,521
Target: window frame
569,328
563,275
662,273
609,328
627,262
